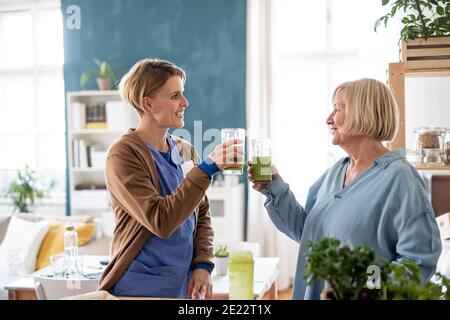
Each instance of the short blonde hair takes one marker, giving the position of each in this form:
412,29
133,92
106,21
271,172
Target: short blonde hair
145,78
370,109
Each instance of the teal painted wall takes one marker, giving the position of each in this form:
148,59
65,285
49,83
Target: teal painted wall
207,38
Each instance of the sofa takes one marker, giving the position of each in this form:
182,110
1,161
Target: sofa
27,241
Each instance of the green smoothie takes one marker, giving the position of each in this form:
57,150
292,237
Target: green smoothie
262,168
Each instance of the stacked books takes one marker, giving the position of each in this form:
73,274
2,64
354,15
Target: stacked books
96,116
113,115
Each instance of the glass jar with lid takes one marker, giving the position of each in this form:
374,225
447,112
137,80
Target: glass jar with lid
432,157
430,138
415,157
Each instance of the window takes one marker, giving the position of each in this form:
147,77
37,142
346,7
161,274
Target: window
32,122
317,45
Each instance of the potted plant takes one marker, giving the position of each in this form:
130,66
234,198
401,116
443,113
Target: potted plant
221,259
346,270
421,18
424,38
104,74
25,189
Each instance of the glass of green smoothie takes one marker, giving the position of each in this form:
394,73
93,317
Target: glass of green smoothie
261,157
241,274
231,134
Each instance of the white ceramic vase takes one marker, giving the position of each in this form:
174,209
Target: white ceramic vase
221,265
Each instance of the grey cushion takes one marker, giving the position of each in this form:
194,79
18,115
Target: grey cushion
4,222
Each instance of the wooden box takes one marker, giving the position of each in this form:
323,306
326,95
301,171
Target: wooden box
443,222
433,53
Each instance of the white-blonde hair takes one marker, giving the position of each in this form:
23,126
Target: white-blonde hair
145,78
370,109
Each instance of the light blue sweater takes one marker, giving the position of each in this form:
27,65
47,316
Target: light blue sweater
386,207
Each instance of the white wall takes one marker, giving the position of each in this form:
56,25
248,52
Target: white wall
427,103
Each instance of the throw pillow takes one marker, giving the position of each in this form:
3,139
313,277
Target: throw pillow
4,222
20,246
53,242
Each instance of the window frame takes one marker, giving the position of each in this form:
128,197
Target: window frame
36,71
329,57
332,59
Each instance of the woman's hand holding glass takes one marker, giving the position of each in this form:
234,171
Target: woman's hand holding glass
227,154
260,185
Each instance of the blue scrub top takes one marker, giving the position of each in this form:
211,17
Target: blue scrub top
161,269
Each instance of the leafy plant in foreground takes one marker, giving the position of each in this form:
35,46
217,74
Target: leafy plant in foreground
346,270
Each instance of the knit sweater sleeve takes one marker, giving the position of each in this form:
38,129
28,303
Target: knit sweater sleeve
136,190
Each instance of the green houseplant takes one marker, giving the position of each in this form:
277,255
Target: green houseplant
420,18
221,251
346,271
25,189
104,75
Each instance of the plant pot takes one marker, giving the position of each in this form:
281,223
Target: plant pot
432,53
221,265
104,83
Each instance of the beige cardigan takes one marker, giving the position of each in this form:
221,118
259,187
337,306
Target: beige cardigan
139,210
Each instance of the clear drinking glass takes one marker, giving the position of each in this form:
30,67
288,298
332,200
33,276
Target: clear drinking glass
58,265
80,264
261,156
231,134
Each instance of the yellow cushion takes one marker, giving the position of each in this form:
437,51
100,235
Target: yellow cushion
53,242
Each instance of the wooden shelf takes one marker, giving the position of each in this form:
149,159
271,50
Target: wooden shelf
433,168
427,73
396,81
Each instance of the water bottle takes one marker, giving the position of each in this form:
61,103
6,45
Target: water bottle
71,249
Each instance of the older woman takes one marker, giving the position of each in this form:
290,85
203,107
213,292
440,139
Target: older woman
163,239
372,197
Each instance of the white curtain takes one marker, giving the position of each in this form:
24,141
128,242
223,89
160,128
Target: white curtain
259,109
290,76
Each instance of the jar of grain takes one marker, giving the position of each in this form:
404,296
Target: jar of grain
430,138
432,157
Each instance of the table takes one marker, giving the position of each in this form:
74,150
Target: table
264,287
23,289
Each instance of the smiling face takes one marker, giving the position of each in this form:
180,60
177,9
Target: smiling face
167,105
336,119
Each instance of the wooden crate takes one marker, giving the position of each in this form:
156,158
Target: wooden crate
433,53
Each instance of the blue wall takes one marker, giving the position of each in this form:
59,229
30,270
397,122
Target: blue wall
207,38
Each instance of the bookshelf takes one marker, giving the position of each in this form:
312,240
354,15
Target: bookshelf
94,120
